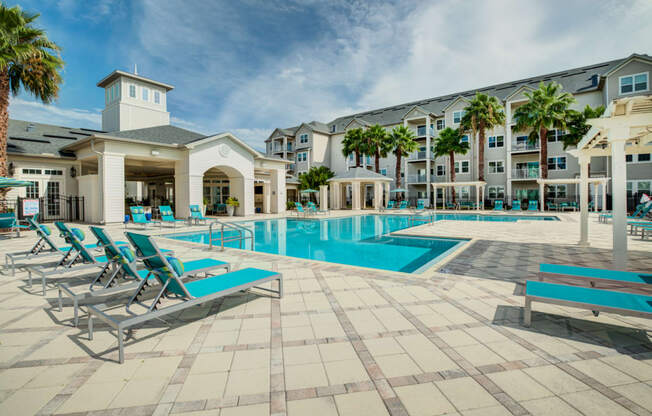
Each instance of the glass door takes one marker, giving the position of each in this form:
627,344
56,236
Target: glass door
52,198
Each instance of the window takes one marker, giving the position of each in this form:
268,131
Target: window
303,138
496,166
441,124
32,190
441,170
629,158
132,91
383,172
555,136
157,97
465,138
145,94
53,172
557,191
32,171
643,157
457,116
557,163
634,83
464,192
635,188
333,128
496,192
496,141
421,130
302,157
462,166
521,140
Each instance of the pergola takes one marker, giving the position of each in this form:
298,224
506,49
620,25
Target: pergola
357,177
626,129
595,181
479,187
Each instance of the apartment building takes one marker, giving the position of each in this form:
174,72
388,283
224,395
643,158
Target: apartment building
511,163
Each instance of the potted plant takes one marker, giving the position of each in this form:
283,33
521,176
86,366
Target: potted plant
205,206
231,204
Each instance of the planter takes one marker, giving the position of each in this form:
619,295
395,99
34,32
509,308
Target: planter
230,209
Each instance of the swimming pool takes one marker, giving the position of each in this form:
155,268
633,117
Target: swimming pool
362,240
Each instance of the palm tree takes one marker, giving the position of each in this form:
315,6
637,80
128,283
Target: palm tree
377,143
448,143
353,143
402,143
546,109
577,126
315,177
483,112
28,59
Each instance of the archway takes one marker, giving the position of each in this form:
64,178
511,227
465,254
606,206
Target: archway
219,183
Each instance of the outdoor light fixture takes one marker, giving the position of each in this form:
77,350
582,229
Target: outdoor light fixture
73,172
11,169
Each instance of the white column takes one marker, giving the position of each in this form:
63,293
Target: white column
584,199
335,197
355,196
278,191
508,148
434,192
617,137
323,197
477,197
386,186
542,200
596,185
267,197
604,196
111,172
428,162
378,195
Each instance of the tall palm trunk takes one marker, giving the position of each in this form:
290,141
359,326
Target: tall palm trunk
398,169
357,158
377,161
451,157
481,152
4,128
543,161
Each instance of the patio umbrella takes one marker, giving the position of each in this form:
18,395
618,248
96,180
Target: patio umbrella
393,191
13,183
309,191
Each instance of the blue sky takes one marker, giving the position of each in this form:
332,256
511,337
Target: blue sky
249,66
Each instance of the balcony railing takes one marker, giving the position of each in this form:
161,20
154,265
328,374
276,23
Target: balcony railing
420,155
420,178
525,173
421,132
292,167
524,146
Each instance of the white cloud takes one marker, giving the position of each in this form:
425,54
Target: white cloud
21,109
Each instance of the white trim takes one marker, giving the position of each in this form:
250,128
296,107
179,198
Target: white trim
460,162
557,157
636,162
496,135
462,112
496,173
437,170
620,89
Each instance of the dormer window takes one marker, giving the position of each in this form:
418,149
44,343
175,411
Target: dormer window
145,94
457,116
157,97
132,91
634,83
333,128
303,138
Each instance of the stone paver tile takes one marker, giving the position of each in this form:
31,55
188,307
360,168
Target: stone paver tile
425,354
602,372
304,376
255,323
254,336
337,351
345,371
397,365
159,367
54,376
592,403
226,325
211,362
322,406
27,401
211,412
465,393
424,399
479,355
297,333
456,338
555,380
220,338
203,386
250,381
92,397
360,403
252,410
641,369
549,406
510,350
639,393
303,354
383,346
140,393
14,378
486,334
246,359
289,321
519,385
487,411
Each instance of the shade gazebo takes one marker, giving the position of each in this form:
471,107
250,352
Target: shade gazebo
356,177
625,129
479,188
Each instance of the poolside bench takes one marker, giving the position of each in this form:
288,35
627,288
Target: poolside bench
605,278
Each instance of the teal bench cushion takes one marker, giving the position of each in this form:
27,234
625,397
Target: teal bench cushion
215,284
632,277
589,296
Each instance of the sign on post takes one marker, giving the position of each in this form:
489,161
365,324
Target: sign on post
30,207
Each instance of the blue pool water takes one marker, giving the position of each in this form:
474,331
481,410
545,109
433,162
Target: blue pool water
362,240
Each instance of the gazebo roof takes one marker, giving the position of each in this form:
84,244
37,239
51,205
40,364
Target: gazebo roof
360,175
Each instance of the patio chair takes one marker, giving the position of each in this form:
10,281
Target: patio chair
403,204
420,205
597,300
300,210
498,205
167,216
138,217
10,221
451,205
532,205
552,206
391,204
196,214
594,276
641,211
516,205
170,271
573,205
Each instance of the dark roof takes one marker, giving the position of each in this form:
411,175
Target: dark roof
160,134
360,173
26,137
576,81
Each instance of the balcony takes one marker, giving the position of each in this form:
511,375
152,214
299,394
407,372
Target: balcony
419,156
525,173
292,167
417,179
522,147
421,131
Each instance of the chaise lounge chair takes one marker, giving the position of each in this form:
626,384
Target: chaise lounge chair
498,205
170,271
10,221
641,211
313,208
391,204
300,209
167,216
532,205
138,217
196,214
516,205
403,204
595,277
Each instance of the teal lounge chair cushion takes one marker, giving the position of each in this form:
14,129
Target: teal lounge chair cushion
589,296
79,234
46,230
176,264
619,275
127,254
203,287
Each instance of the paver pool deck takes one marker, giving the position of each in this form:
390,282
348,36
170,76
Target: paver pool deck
345,340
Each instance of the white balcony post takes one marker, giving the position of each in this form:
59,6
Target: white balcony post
434,190
617,137
428,158
355,196
604,195
595,196
584,200
542,188
323,197
477,197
